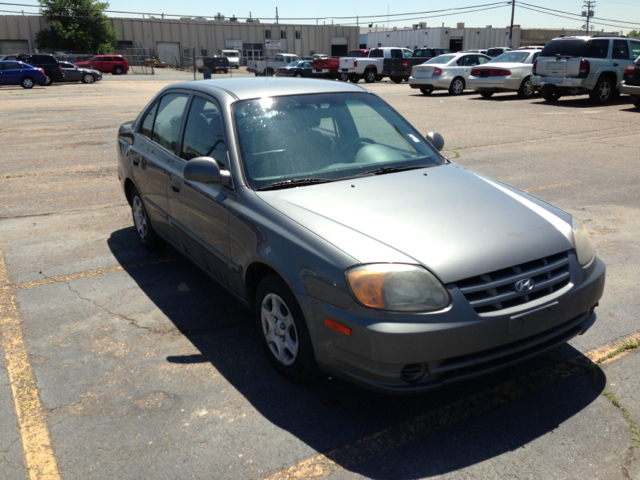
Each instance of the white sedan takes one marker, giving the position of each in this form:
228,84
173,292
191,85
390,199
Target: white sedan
510,72
446,72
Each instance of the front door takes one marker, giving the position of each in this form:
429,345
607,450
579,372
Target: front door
153,154
198,210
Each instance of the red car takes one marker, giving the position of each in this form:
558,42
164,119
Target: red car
115,64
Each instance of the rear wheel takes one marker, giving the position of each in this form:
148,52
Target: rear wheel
636,102
27,82
269,72
396,79
47,81
370,76
603,91
426,90
284,331
486,94
354,78
457,86
87,78
343,77
526,89
298,75
550,95
118,70
148,237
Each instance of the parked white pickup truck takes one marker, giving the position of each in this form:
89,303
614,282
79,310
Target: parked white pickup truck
269,67
392,62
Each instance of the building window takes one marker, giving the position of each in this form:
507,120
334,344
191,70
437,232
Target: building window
283,34
267,34
297,34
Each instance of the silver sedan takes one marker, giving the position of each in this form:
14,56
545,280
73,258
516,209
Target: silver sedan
363,253
73,73
510,72
445,72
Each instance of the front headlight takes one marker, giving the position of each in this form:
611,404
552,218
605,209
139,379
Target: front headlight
584,249
397,287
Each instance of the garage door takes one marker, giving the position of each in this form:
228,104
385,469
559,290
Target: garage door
339,46
168,52
7,47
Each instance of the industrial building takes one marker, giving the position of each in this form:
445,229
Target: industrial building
167,39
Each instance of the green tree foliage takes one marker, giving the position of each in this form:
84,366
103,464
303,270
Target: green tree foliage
633,33
76,25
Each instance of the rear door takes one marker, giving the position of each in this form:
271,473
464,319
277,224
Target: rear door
153,155
621,57
12,73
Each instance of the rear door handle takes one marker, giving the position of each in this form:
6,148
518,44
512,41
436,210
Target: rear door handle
175,186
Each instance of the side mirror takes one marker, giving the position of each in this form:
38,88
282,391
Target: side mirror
206,170
436,140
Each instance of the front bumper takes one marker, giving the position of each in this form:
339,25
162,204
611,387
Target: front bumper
402,353
633,90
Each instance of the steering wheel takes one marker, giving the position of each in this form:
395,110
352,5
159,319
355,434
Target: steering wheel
355,142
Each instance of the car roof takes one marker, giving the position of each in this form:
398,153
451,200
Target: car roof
259,87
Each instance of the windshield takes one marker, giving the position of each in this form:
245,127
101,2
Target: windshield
511,57
441,59
331,137
231,54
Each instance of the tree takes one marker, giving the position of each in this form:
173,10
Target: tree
633,33
76,25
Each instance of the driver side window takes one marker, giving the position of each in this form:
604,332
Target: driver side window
203,135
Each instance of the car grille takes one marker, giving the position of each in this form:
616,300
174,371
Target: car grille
495,291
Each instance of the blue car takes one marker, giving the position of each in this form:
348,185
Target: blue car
296,69
19,73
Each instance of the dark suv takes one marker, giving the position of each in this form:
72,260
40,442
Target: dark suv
216,63
428,53
48,63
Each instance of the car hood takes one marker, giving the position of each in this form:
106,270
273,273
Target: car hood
455,222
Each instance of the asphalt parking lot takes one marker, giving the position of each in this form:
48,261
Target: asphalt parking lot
122,363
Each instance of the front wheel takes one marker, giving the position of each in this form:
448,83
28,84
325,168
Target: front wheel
486,94
426,90
354,78
457,86
636,102
27,82
148,237
47,81
269,72
550,95
298,75
370,76
87,78
284,331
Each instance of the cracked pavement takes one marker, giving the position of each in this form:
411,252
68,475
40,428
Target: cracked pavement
146,369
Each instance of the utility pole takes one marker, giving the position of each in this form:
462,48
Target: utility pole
277,15
589,5
513,12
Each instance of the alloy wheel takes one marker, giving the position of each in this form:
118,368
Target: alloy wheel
140,217
279,329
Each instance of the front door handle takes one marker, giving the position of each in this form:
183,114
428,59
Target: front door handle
136,159
175,186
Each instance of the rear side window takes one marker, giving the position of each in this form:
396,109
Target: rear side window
599,49
108,59
635,49
571,48
422,54
44,59
169,119
12,66
376,53
620,50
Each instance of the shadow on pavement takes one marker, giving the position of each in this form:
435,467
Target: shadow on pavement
583,101
332,416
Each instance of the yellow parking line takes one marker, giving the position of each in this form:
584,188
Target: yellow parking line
548,187
396,436
89,273
39,459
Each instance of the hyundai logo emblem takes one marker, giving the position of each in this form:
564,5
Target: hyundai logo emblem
524,286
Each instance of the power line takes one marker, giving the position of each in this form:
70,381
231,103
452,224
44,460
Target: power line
570,18
579,17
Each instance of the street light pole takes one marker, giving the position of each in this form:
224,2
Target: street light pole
513,11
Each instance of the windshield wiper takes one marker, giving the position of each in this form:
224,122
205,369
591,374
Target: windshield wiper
294,183
391,169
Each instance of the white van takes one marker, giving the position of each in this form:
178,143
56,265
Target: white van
234,57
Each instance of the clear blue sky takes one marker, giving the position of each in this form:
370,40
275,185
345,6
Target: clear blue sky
621,10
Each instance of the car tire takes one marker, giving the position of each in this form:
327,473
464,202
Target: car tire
118,71
636,102
486,94
370,76
457,86
27,82
549,95
88,78
47,81
269,72
396,79
379,78
343,77
148,237
354,78
226,70
298,75
283,330
426,90
603,91
526,89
